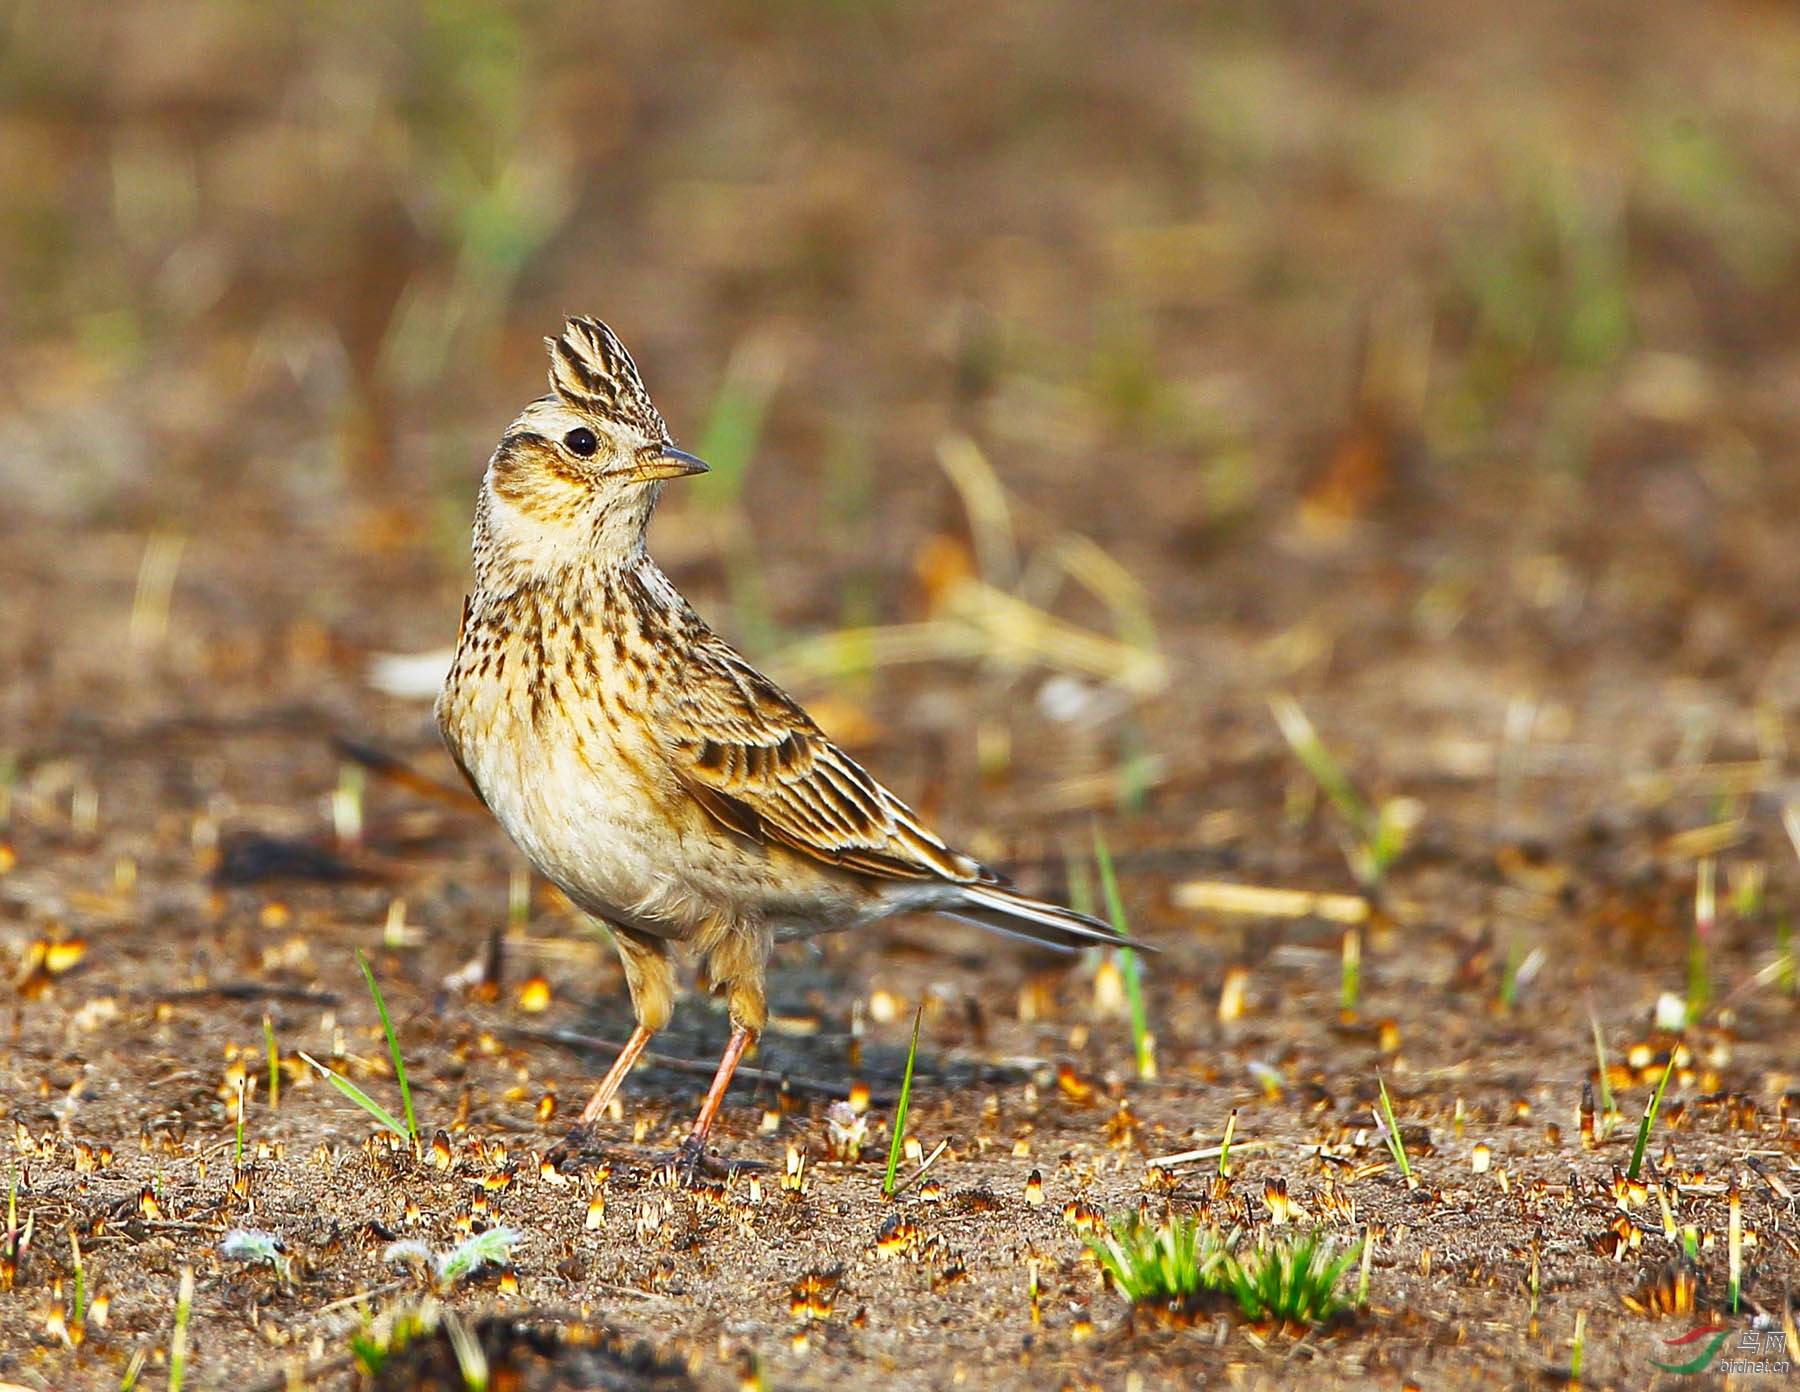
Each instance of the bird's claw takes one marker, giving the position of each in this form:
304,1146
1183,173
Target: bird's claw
692,1162
579,1144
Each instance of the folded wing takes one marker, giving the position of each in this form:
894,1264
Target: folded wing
755,760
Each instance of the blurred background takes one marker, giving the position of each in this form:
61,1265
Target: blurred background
1342,446
1439,364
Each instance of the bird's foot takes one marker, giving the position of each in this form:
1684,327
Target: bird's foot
580,1145
691,1163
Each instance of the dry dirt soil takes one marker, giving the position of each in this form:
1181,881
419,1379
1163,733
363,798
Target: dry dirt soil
1438,370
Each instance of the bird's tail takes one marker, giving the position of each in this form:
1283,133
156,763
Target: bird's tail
1003,910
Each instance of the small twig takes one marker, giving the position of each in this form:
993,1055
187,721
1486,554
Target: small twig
239,990
1190,1157
919,1173
358,1298
1223,896
629,1292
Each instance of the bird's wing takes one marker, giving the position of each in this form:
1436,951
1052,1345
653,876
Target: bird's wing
755,760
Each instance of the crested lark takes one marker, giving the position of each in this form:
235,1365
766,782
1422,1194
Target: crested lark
649,771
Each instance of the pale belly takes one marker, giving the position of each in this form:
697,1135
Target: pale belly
638,854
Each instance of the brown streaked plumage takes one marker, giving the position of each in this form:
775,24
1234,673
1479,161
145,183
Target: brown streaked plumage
661,781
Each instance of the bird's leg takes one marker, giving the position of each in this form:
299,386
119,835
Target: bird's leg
735,963
651,978
615,1075
692,1154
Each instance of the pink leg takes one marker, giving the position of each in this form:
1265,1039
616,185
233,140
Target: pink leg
693,1149
614,1077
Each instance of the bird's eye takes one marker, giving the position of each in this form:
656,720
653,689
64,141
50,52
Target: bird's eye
581,441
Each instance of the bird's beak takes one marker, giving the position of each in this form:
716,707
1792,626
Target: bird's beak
669,463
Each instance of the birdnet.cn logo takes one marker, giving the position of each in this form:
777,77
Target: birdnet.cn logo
1711,1349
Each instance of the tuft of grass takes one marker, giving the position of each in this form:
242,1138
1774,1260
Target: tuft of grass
252,1245
1143,1045
897,1142
1225,1145
1350,974
1390,1132
1162,1263
450,1269
1644,1126
387,1028
1293,1281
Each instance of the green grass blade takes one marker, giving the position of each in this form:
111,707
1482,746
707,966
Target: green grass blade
274,1063
1298,730
184,1305
1644,1126
358,1096
133,1369
1081,887
898,1140
1128,959
412,1129
1606,1097
1396,1145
